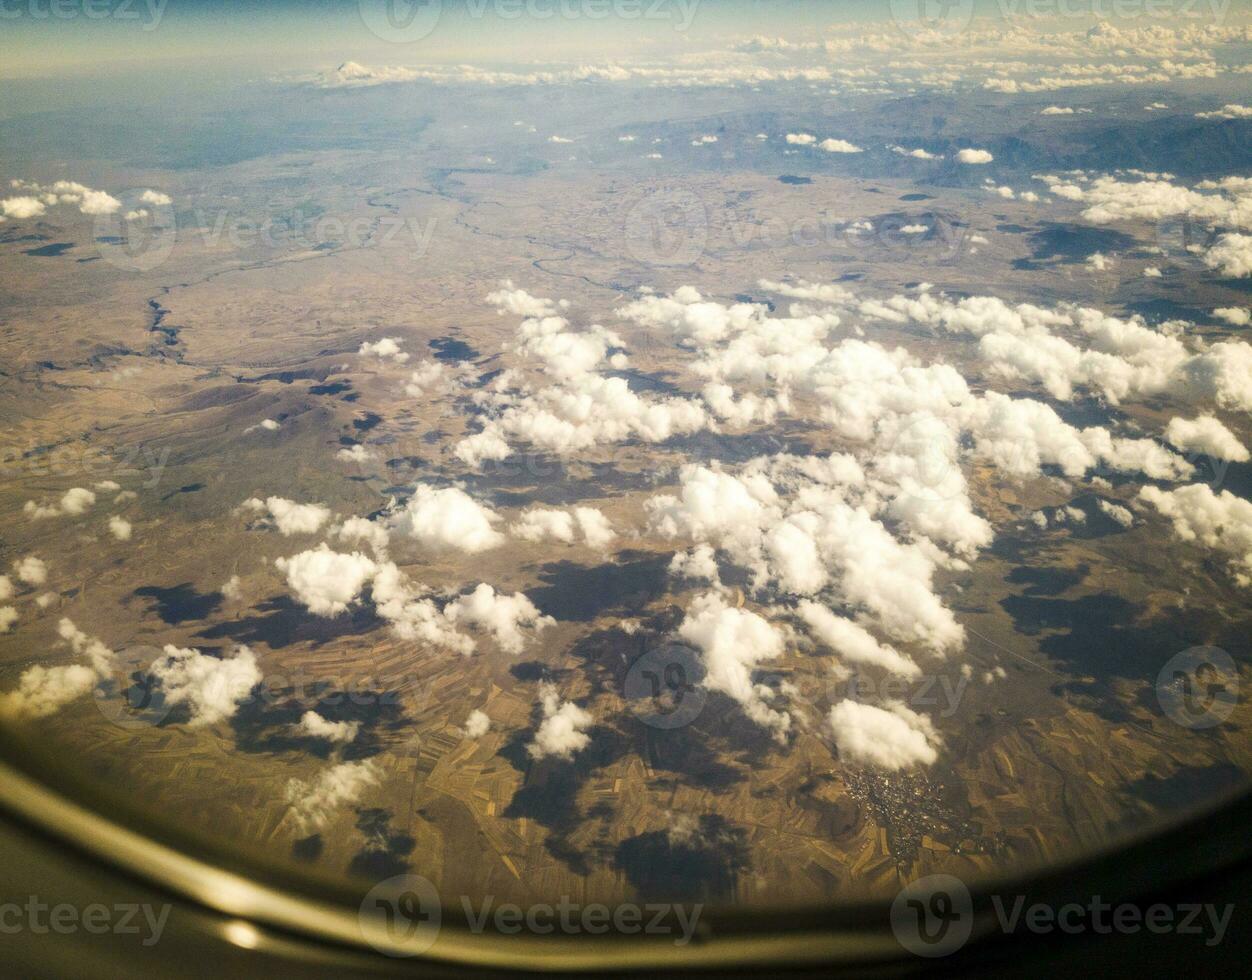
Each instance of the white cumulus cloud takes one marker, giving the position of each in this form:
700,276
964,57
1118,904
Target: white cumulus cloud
314,802
448,519
42,691
892,737
562,732
313,725
970,155
326,581
734,643
1207,435
210,687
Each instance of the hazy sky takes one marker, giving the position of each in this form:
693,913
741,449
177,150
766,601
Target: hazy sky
36,40
49,37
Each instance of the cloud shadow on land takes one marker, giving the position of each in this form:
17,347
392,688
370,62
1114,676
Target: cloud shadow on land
527,479
283,622
1066,244
452,349
549,795
530,671
787,436
267,723
1104,638
309,848
688,754
179,603
1189,785
1047,580
186,488
581,593
700,863
687,750
386,850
